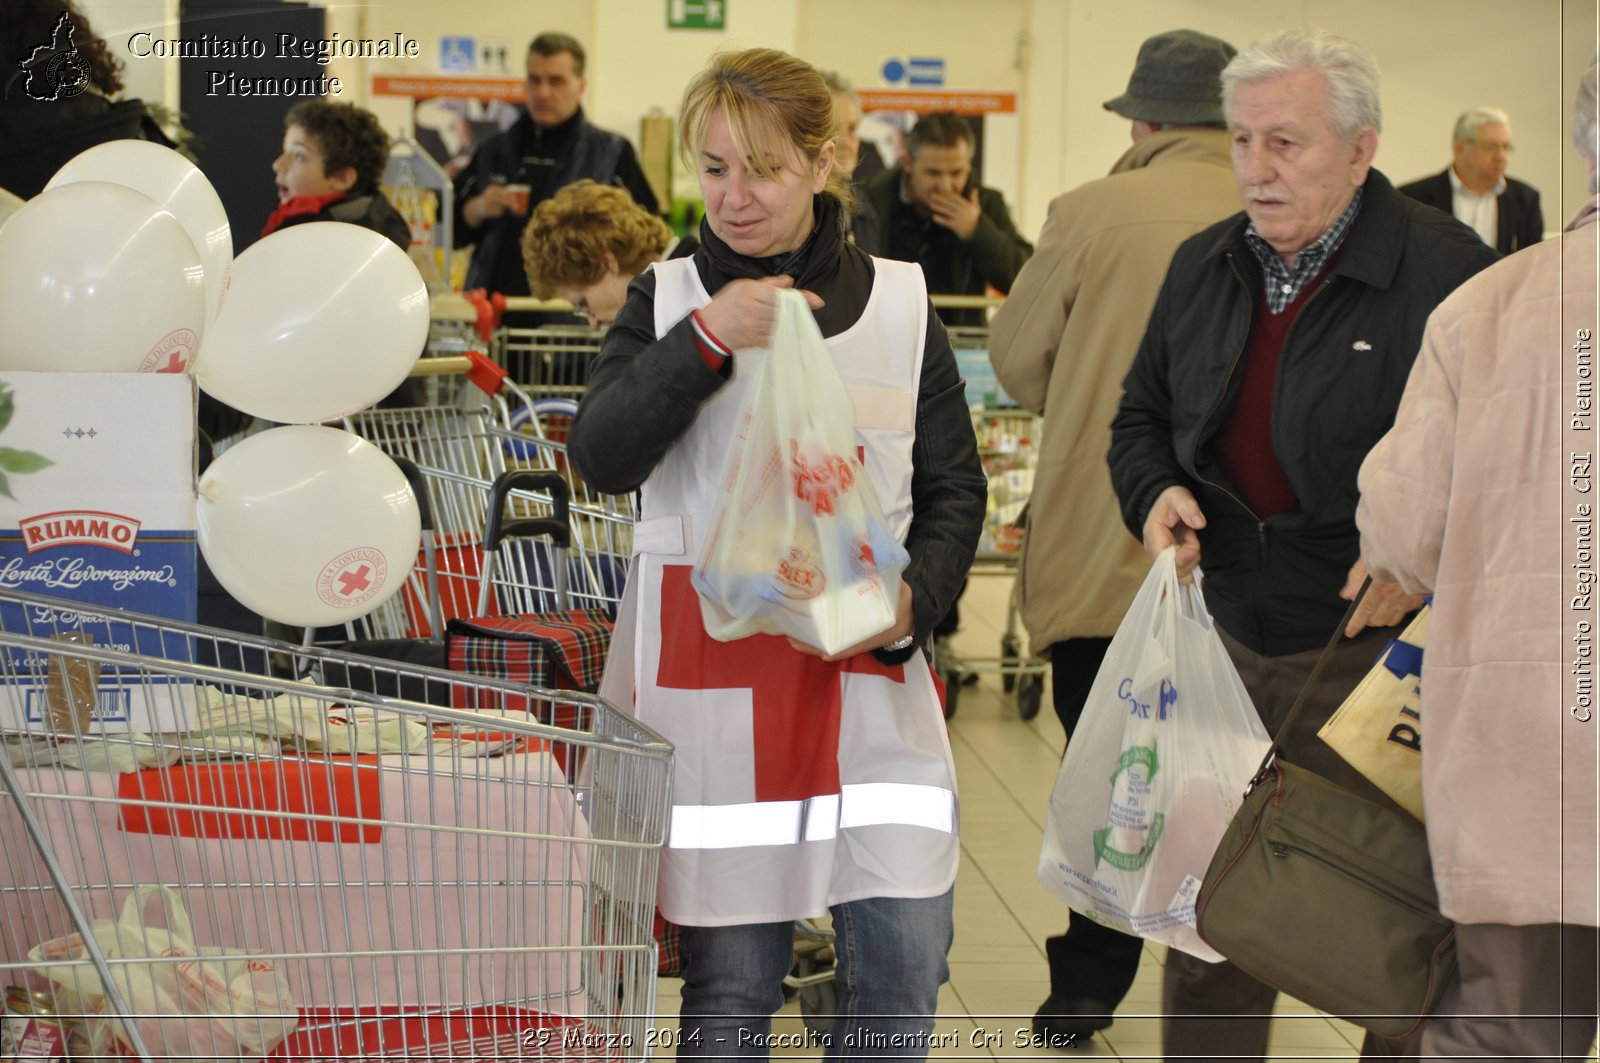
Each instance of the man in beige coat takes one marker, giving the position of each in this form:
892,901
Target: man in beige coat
1483,493
1061,345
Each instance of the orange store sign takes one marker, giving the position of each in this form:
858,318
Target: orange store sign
932,101
427,87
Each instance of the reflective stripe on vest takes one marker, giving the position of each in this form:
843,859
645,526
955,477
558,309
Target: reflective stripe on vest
814,819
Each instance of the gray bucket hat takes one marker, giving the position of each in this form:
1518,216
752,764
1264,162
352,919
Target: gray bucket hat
1177,80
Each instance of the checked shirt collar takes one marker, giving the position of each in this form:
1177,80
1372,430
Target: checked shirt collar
1282,285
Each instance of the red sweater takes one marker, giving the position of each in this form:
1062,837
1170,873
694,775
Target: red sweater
1244,445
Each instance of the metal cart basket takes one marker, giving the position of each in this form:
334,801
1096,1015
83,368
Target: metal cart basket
459,455
1008,439
366,878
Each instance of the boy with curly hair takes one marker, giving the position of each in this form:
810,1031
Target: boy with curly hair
332,160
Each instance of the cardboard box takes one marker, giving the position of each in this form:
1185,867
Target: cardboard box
109,521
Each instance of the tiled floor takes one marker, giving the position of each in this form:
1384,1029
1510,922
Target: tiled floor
1005,767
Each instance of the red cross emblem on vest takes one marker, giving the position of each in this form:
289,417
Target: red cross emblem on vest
795,699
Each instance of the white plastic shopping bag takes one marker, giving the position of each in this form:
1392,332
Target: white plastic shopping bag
799,545
1167,744
189,1001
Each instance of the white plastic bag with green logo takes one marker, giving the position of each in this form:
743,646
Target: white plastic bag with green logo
1155,771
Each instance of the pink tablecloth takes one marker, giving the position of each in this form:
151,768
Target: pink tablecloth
372,883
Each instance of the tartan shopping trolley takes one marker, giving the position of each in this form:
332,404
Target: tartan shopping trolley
281,869
522,568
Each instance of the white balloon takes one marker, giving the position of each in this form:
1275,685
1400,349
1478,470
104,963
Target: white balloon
322,319
176,184
10,203
308,525
95,277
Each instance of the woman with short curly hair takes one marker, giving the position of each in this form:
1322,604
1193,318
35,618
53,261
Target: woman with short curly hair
586,242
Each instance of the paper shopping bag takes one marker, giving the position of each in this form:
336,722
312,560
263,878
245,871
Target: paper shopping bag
1378,729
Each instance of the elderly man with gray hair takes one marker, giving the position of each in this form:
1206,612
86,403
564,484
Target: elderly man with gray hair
1503,211
1484,473
1272,362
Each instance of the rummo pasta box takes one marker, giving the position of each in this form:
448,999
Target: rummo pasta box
97,509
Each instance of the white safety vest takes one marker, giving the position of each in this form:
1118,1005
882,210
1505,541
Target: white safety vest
798,784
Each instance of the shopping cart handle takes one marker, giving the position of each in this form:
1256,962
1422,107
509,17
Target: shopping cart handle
484,373
485,310
419,490
556,526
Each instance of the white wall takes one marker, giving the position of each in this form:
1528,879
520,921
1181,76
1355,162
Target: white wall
1436,59
427,21
647,65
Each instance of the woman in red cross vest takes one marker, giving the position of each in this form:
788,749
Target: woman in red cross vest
804,784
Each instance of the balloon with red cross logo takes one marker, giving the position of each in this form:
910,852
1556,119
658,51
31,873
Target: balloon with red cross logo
308,525
95,277
321,320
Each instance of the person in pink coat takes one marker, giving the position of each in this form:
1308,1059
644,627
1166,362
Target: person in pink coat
1483,494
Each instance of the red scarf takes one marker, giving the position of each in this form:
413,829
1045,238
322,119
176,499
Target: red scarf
296,206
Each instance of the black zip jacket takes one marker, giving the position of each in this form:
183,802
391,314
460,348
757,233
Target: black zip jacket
1274,584
547,160
994,255
644,393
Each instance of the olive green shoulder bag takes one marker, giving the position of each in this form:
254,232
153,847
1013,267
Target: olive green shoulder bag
1329,896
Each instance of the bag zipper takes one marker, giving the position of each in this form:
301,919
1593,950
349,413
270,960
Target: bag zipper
1283,850
1202,898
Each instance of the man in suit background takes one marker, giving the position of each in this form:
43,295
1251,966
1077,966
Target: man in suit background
1503,211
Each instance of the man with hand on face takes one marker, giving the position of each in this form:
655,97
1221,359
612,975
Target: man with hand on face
1503,211
1274,359
932,212
548,147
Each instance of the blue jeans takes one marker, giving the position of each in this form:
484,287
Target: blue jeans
891,963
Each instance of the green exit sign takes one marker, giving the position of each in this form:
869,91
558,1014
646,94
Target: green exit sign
697,14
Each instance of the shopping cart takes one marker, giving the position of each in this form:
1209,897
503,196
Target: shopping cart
549,361
422,882
460,452
1008,439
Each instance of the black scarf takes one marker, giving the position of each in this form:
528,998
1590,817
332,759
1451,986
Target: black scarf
823,264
